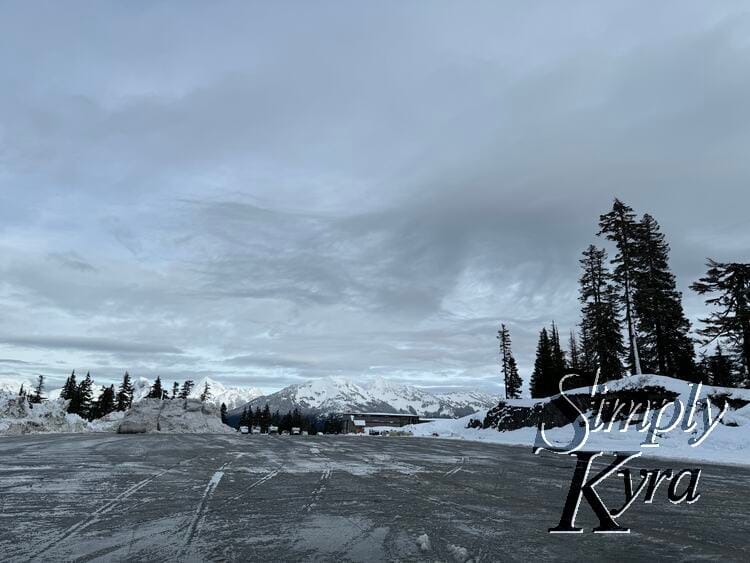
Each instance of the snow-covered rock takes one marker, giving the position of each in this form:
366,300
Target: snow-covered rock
174,417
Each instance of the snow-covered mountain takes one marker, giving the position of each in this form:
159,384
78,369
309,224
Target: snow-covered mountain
337,394
232,396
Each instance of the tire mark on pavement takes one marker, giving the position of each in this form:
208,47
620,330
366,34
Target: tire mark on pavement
318,491
94,517
251,486
200,512
456,469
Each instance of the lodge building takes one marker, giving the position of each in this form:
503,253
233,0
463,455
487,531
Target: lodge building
358,422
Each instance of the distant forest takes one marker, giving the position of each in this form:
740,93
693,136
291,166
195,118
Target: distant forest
632,319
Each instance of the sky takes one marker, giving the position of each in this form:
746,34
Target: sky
266,193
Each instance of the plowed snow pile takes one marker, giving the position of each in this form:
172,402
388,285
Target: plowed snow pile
18,417
175,417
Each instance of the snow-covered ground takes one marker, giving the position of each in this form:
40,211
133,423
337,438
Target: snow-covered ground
729,442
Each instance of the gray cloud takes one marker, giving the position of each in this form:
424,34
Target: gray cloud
87,344
229,191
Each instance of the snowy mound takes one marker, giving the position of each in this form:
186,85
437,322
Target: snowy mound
174,417
18,417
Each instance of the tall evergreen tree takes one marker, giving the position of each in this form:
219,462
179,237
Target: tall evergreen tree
70,387
84,396
124,398
728,285
175,390
600,323
157,391
665,344
543,368
619,226
559,367
265,419
223,412
244,419
508,365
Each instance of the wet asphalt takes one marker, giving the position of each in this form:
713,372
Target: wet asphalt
104,497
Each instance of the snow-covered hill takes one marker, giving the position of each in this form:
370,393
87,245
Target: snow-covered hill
337,394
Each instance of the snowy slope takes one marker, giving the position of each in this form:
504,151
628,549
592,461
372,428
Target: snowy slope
728,443
338,394
233,397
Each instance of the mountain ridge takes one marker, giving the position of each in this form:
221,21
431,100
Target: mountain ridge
338,394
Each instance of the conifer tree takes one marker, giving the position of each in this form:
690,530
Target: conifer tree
587,356
157,392
175,390
559,366
84,396
720,369
665,344
543,367
105,404
124,398
600,323
508,366
187,388
38,395
728,287
206,393
223,413
265,419
619,226
574,354
69,388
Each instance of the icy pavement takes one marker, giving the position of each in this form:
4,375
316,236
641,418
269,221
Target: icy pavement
97,497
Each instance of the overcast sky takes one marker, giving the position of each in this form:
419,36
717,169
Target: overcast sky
268,193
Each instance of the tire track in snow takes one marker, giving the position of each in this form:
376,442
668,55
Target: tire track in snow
456,469
94,517
251,486
318,491
200,512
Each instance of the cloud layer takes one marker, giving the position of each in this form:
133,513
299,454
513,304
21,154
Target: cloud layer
271,193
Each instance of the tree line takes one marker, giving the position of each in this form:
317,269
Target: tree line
632,317
81,400
264,419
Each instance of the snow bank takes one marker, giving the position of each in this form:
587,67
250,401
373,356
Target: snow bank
728,443
18,417
174,417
